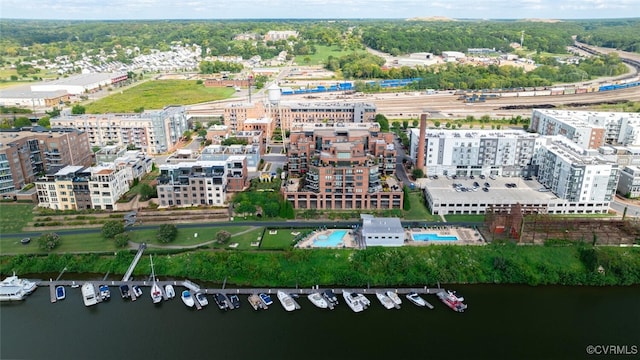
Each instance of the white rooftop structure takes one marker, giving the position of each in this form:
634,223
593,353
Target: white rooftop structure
382,231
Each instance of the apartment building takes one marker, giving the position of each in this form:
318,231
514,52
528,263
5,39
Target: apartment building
154,131
575,174
66,189
26,154
342,166
267,117
629,182
589,129
474,152
222,153
201,182
107,184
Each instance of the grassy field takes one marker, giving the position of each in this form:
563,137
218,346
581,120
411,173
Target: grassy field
93,242
321,55
282,239
13,217
156,95
418,210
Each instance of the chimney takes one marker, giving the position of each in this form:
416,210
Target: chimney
421,143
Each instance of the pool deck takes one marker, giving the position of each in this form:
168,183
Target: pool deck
466,236
348,241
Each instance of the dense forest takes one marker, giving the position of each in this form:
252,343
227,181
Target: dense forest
42,38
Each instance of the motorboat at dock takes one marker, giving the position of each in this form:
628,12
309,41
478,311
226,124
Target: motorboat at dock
416,299
256,302
171,293
13,288
89,296
452,300
394,297
221,301
61,293
357,302
385,301
235,301
266,299
287,302
201,298
318,300
124,291
187,299
330,296
105,293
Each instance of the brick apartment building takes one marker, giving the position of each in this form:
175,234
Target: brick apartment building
345,166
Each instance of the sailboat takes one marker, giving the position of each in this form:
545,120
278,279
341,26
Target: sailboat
156,291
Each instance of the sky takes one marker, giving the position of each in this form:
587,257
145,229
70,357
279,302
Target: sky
315,9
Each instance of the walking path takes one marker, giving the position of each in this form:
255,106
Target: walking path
133,245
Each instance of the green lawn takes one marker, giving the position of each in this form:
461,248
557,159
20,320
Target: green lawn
283,239
322,53
13,217
94,242
465,218
153,95
418,210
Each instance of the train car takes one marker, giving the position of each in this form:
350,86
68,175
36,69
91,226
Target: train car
569,91
526,93
509,94
581,90
543,92
557,91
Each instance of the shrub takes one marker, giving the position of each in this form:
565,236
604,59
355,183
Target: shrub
167,233
49,241
112,228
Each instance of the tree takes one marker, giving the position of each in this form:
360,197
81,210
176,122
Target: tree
202,133
383,122
122,239
78,110
49,241
417,173
245,207
147,192
21,122
167,233
436,124
223,236
112,228
44,122
406,206
415,123
405,124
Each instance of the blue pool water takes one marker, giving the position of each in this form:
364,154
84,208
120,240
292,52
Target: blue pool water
434,237
330,241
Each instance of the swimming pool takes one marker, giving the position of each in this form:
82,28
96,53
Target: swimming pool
333,240
433,237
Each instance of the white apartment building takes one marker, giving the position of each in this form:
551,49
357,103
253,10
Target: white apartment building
589,129
106,185
475,152
136,164
575,174
154,131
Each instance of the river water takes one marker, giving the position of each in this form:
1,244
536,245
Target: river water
502,322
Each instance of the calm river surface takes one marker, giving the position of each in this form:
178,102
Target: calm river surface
502,322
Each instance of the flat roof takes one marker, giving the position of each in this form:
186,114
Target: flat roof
83,79
525,192
381,225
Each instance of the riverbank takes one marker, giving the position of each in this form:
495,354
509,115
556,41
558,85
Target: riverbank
406,266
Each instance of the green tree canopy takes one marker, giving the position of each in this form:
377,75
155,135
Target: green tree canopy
166,233
112,228
49,241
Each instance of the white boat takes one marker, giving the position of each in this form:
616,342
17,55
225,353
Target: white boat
286,301
187,299
354,301
318,300
105,293
202,299
171,293
416,299
385,301
13,288
156,291
137,290
60,292
89,295
394,297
